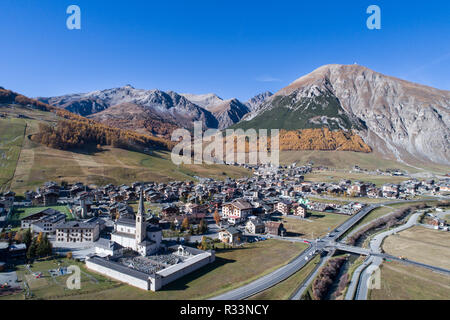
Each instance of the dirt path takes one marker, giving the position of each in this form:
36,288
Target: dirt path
11,180
25,161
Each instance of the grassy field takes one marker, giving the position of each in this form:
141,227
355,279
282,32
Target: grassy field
20,213
232,268
317,225
11,139
422,245
447,218
385,210
48,287
347,199
401,282
336,176
285,289
346,160
38,164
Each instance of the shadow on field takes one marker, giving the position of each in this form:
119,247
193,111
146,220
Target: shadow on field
181,284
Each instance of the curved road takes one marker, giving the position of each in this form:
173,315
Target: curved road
269,280
295,265
299,262
377,257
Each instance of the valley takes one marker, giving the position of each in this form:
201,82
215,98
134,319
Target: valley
29,164
32,164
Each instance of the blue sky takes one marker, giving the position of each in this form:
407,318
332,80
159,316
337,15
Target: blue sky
232,48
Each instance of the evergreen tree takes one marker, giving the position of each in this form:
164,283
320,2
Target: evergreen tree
27,238
203,227
31,253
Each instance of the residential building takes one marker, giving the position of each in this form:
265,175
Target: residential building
275,228
236,211
284,207
301,211
77,232
230,235
255,226
45,221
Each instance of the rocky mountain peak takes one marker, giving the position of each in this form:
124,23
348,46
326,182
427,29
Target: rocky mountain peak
401,119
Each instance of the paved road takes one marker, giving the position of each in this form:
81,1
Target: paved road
301,290
375,261
353,285
269,280
77,253
352,249
415,263
299,262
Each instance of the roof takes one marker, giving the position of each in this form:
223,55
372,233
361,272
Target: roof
77,225
153,228
232,230
19,246
107,244
123,234
53,218
126,221
272,224
37,215
256,222
241,204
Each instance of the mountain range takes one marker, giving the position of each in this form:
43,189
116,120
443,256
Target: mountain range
398,118
125,104
395,117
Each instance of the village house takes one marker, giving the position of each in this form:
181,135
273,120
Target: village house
390,190
301,211
284,207
169,211
45,221
275,228
357,190
236,211
255,226
230,235
73,232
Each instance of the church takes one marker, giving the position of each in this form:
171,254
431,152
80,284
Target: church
138,235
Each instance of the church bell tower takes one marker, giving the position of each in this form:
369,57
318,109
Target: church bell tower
140,223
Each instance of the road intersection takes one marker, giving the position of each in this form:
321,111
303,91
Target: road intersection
329,243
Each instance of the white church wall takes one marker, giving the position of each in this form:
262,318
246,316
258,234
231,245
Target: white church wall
177,271
122,277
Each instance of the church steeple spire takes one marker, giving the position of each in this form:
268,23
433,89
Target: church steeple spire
141,209
140,224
